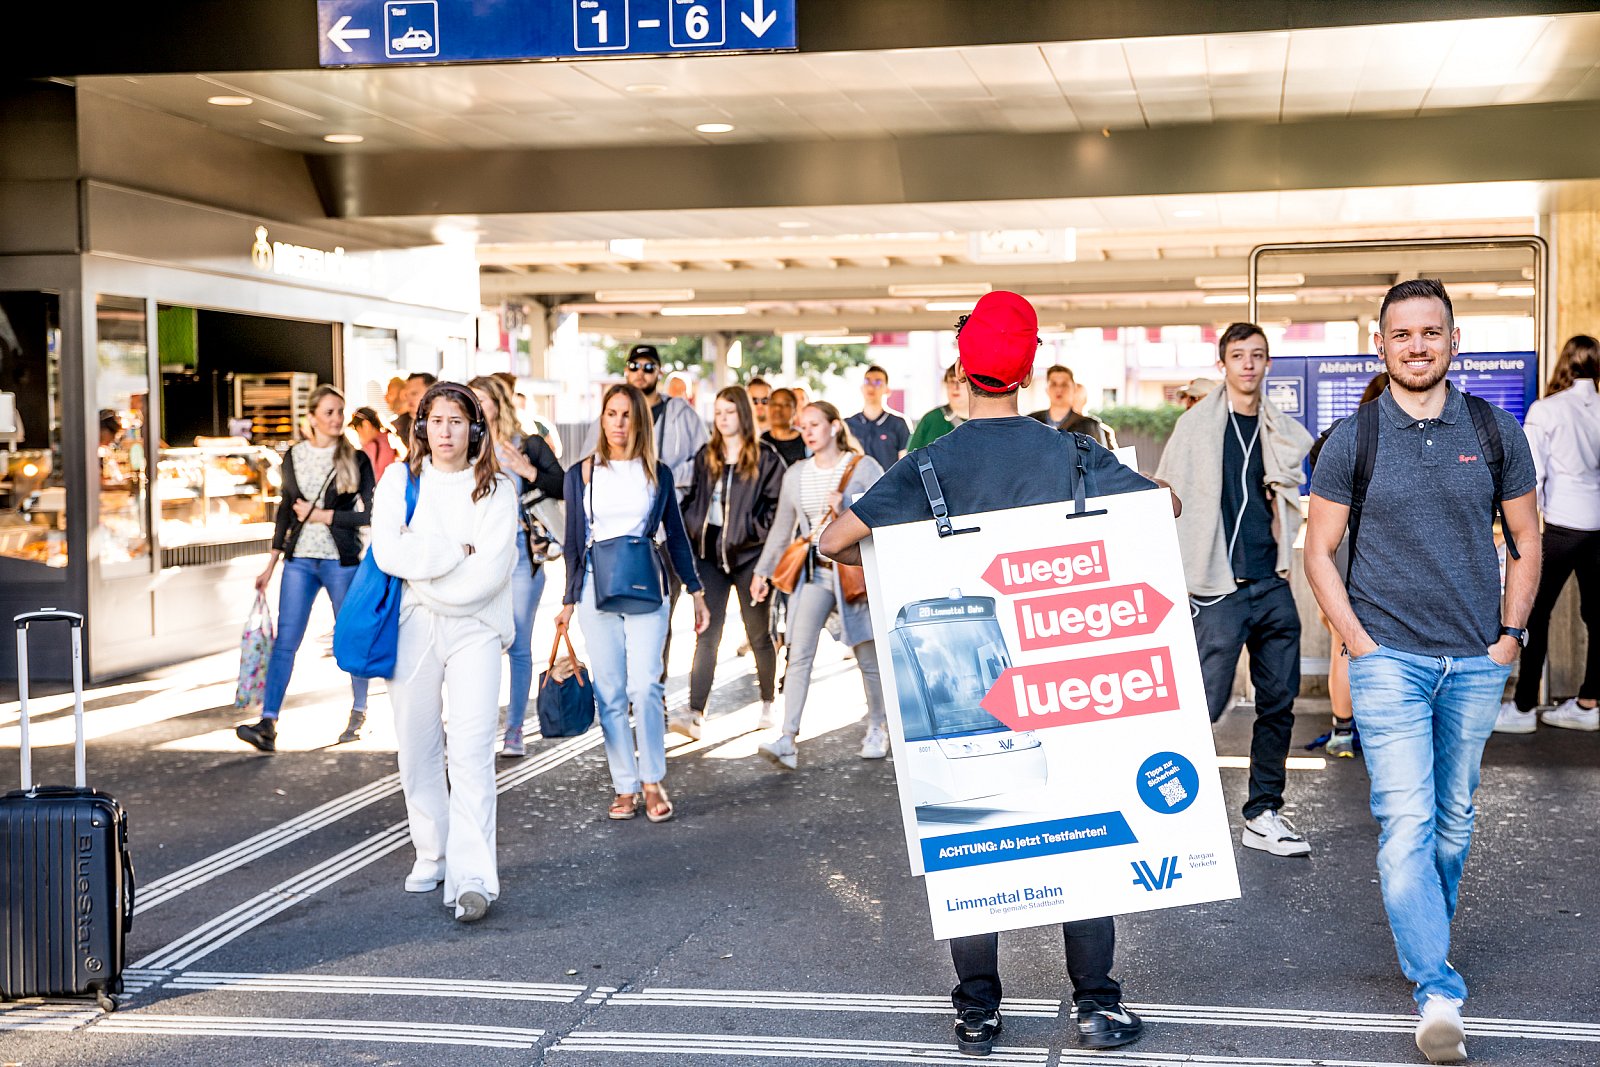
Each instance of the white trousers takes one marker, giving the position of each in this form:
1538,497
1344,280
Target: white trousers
452,818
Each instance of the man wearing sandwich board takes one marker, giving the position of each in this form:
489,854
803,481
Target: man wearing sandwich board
1000,460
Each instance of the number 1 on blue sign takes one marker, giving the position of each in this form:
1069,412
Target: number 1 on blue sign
699,23
600,25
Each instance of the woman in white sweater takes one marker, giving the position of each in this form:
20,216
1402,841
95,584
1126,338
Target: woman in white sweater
455,555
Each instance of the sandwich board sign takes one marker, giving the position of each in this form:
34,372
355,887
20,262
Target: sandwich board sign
1052,746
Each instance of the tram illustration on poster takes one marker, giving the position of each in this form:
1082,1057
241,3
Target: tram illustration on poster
1052,747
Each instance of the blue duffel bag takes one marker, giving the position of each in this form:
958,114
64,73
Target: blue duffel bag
566,693
366,633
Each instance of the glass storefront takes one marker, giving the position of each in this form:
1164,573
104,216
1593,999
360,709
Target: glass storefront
33,495
122,399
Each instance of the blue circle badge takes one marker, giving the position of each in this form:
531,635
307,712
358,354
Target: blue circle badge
1168,783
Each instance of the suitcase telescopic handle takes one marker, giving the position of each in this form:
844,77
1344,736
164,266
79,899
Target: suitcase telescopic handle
75,621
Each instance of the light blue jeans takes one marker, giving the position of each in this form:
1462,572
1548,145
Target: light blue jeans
625,663
1424,721
297,591
527,587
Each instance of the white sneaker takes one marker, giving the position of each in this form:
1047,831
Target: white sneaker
425,877
769,716
472,903
1271,832
876,744
782,751
1569,716
1440,1035
1512,721
686,722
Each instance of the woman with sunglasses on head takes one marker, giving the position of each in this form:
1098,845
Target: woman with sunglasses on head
455,555
530,464
809,500
623,491
327,499
729,510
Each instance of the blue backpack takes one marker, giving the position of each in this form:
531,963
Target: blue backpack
366,633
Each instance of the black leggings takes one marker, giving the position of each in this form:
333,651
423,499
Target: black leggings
1565,552
718,584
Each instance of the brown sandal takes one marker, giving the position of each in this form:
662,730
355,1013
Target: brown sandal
657,807
625,806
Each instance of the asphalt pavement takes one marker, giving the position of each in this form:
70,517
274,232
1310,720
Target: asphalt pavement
774,920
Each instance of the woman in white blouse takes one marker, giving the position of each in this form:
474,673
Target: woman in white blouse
1564,433
624,491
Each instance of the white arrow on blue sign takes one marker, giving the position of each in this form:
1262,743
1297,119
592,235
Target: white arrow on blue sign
355,33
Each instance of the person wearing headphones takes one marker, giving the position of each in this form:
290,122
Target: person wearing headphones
1235,460
454,554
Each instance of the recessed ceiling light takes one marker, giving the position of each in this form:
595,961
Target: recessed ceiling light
714,127
1187,213
794,224
343,138
230,101
645,88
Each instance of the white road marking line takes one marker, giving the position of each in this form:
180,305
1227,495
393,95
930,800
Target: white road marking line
790,1048
1176,1059
232,858
380,985
124,1023
810,1001
207,938
52,1015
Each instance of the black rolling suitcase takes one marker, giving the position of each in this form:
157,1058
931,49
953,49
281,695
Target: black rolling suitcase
66,881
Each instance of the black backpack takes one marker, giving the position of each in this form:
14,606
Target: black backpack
1494,454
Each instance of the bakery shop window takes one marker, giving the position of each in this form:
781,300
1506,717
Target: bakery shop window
33,494
122,396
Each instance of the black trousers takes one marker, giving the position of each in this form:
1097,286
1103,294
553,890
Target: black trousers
1566,552
757,617
1262,618
1091,946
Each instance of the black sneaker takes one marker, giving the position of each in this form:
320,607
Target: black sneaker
1107,1025
263,734
976,1030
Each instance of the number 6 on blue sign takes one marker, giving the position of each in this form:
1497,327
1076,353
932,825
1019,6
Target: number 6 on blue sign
600,25
699,23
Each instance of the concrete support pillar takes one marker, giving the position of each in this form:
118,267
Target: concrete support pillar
1575,239
714,350
791,357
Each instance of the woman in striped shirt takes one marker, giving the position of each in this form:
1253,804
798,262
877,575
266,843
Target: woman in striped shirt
811,496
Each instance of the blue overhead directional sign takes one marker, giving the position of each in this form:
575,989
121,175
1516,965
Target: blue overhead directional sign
371,33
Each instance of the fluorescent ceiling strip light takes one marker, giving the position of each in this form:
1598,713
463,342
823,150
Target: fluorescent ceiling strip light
706,310
840,339
641,296
936,289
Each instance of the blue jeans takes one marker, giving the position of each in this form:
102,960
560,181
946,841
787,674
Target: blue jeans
527,587
625,663
1424,721
297,591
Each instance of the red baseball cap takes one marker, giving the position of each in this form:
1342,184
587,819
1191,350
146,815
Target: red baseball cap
999,340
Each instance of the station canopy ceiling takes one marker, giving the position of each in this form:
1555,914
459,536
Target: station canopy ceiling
855,187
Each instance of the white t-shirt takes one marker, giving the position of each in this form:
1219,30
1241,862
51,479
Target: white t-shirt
619,499
816,485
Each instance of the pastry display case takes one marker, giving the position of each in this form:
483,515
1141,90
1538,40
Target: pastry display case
218,500
33,508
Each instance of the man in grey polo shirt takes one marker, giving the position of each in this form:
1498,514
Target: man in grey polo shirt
1429,642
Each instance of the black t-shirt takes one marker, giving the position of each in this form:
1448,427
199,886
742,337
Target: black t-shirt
1255,550
793,450
993,464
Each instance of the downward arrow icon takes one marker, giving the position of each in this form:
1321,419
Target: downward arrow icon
759,20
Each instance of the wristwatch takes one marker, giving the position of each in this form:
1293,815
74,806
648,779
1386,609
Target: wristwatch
1521,636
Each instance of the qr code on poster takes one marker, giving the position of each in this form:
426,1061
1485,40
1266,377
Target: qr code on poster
1172,792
